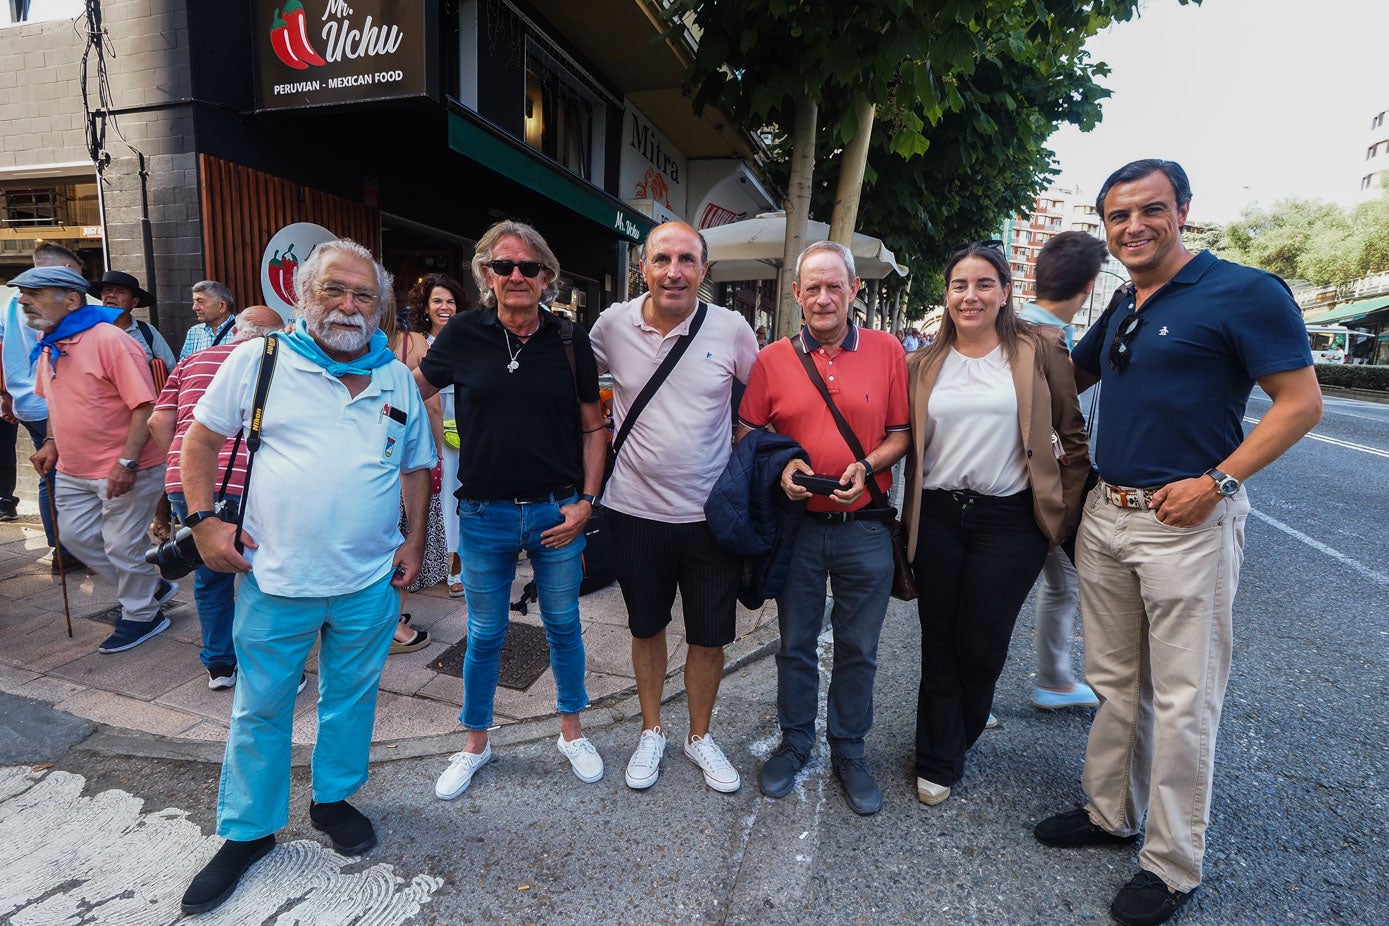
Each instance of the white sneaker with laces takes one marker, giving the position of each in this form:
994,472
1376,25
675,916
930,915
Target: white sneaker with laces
459,774
588,764
719,773
645,765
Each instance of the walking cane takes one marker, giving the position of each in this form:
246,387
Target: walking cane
58,551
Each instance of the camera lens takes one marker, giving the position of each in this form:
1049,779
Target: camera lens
177,556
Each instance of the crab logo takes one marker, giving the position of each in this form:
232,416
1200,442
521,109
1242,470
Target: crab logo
289,36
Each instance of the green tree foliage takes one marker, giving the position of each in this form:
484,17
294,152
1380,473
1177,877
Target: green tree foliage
1308,239
968,91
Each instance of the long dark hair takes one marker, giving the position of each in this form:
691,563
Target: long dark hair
419,300
1010,328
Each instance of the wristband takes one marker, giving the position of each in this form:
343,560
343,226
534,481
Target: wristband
591,499
867,468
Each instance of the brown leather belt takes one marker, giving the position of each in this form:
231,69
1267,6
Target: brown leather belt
1125,497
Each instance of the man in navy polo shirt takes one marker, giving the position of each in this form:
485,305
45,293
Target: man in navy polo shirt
1161,543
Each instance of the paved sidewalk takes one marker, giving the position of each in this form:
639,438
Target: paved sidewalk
160,687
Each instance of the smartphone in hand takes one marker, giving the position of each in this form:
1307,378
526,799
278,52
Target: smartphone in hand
819,485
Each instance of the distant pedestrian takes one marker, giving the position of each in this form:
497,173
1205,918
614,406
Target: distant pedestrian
1066,270
669,460
344,433
526,395
216,311
214,592
1160,546
845,539
109,473
911,340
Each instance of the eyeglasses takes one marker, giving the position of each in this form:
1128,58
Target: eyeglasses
362,298
1119,351
502,268
991,243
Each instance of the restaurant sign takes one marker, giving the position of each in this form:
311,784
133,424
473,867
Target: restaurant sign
324,52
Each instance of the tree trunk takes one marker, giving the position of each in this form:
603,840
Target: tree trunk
788,319
851,171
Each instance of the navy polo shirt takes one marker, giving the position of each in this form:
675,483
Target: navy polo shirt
1177,409
518,431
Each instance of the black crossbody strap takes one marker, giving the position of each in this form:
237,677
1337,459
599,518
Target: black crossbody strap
649,390
267,370
846,432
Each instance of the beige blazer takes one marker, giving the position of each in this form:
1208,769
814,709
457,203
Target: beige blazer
1047,403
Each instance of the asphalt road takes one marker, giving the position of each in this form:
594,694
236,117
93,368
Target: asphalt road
1297,835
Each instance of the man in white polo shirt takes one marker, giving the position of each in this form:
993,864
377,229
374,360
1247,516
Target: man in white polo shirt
672,456
344,434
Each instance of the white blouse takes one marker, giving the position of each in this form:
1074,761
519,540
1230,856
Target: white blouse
973,440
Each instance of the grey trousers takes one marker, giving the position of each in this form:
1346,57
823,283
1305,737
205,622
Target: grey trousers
1058,602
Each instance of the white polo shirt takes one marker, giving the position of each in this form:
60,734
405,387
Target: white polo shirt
324,497
681,441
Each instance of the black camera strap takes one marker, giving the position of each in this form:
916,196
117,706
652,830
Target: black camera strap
267,370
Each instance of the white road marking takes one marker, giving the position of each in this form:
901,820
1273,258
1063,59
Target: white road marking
69,858
1339,443
1378,578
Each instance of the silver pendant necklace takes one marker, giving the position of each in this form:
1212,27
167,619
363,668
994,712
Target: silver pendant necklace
521,339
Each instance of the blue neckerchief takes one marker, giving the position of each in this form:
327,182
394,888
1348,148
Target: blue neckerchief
302,343
75,322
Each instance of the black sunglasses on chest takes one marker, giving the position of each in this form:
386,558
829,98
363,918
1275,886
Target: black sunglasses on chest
1119,350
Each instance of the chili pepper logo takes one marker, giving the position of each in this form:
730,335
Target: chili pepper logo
282,275
289,37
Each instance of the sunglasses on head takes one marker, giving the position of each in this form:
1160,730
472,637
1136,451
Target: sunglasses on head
1120,353
503,268
991,243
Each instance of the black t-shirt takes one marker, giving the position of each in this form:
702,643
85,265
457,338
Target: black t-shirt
518,431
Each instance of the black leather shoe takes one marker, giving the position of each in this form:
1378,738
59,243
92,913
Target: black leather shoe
219,877
350,831
1073,829
779,773
860,787
1146,901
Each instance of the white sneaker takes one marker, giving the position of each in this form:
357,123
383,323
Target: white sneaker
719,773
588,764
991,723
459,774
645,765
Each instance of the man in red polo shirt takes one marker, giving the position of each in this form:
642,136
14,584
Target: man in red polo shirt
846,536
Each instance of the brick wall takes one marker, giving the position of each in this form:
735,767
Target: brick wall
148,71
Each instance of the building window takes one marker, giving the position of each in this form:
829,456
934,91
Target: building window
56,205
564,119
1377,121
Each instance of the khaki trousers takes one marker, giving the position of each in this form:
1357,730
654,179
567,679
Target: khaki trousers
1157,604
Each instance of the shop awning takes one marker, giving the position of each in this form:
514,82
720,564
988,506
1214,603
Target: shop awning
500,152
1348,312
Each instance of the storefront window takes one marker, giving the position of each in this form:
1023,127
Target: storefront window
563,118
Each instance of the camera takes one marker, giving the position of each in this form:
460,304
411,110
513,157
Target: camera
178,556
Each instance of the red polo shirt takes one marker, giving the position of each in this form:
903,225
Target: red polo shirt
867,377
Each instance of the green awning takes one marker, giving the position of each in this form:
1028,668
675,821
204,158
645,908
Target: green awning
1350,312
514,160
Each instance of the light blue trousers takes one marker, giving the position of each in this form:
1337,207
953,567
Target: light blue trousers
273,636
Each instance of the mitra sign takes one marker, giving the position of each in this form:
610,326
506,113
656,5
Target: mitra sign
322,52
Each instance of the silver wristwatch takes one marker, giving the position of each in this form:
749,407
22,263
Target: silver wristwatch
1224,484
132,465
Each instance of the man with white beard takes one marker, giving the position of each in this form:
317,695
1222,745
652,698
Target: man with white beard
344,431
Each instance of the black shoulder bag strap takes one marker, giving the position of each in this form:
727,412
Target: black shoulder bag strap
846,432
267,370
227,326
649,390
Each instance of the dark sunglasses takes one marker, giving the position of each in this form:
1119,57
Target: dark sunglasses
503,268
1119,351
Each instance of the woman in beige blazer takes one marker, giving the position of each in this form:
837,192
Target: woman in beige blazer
994,480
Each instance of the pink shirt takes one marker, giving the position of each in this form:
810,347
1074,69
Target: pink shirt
100,378
185,387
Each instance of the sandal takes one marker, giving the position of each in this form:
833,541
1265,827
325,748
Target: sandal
418,641
456,586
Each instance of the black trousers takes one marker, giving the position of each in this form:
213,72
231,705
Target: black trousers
9,469
976,559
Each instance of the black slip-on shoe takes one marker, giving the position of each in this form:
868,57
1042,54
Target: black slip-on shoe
1073,829
1146,901
220,876
779,773
350,831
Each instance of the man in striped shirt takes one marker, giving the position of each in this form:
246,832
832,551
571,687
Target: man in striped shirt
214,592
